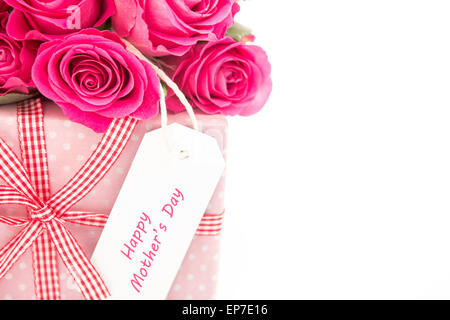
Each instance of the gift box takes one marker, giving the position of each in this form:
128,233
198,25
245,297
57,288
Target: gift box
69,145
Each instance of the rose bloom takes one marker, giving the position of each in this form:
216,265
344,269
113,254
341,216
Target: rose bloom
16,59
172,27
94,79
225,76
50,19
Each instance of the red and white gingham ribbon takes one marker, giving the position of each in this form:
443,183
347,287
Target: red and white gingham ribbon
28,185
211,225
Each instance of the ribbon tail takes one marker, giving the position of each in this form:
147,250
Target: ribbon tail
15,248
46,276
89,219
16,222
84,273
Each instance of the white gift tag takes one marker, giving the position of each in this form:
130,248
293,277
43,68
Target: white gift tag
156,215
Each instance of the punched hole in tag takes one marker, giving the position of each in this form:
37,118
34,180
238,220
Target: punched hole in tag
180,152
183,155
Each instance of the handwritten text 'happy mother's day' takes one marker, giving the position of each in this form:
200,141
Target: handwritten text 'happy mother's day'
145,229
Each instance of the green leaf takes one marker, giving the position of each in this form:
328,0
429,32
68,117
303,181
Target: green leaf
238,31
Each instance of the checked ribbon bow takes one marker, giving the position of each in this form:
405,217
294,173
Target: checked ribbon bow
44,230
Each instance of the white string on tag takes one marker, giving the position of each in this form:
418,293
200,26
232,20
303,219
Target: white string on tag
164,118
172,85
163,107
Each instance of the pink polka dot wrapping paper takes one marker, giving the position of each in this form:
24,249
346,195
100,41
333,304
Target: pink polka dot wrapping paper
68,146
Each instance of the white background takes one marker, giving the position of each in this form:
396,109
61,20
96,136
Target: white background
340,187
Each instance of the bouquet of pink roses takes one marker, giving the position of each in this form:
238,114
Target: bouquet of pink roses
76,53
109,65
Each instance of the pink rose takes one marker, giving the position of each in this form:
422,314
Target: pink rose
51,19
172,27
226,77
94,79
16,59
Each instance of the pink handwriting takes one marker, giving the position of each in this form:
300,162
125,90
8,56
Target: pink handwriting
149,255
148,258
136,238
174,201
